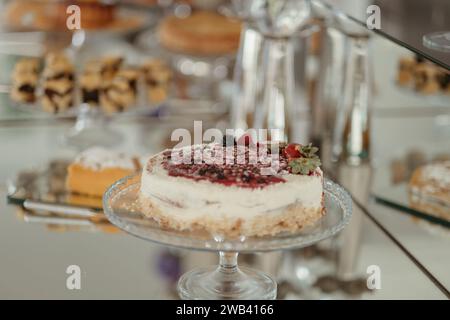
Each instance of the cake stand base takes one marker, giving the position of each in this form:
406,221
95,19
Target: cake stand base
89,137
226,282
92,129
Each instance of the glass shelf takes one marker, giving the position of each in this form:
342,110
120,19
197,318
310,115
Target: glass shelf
404,22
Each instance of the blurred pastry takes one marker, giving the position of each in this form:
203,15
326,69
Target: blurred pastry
432,181
26,184
144,2
52,15
56,178
441,157
121,93
57,172
406,70
158,77
414,159
425,205
58,66
20,14
58,83
399,171
109,66
57,96
425,78
202,33
27,65
90,84
98,74
24,80
95,169
443,79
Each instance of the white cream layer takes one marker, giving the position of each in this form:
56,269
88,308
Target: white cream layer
189,199
97,158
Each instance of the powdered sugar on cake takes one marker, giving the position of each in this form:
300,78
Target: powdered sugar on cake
97,158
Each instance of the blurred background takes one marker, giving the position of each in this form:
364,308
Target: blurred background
376,102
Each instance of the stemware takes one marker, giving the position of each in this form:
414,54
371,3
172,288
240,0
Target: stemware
247,75
228,280
278,22
351,129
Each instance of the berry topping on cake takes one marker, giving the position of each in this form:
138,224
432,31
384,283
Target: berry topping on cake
302,159
245,140
292,150
245,166
229,165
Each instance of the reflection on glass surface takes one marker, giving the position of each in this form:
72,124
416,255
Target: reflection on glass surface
246,77
410,126
277,22
354,107
439,41
404,21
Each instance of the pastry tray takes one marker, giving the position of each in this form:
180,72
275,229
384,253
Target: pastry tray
128,20
398,197
65,223
44,190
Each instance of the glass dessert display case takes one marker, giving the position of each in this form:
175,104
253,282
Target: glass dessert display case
82,109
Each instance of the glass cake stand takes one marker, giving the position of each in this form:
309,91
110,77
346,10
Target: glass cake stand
226,281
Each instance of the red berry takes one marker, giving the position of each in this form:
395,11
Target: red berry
292,150
245,140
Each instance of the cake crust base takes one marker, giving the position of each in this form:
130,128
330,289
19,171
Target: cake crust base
291,219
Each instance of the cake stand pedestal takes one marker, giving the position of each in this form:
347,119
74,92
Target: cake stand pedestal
226,281
92,129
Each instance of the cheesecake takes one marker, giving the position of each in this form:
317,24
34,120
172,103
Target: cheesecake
233,190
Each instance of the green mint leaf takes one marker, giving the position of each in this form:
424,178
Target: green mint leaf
304,165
